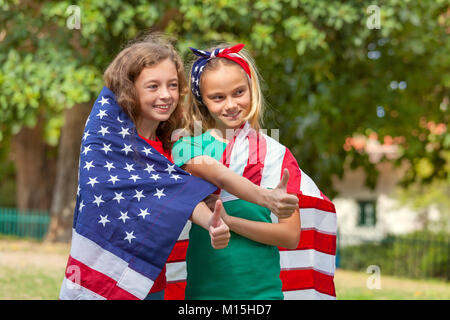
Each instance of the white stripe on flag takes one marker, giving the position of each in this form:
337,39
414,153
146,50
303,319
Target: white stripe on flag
308,187
238,162
94,256
135,283
107,263
273,162
176,271
77,292
184,235
322,221
307,259
309,294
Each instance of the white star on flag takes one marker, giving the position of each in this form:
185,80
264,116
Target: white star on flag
175,177
127,148
106,148
86,134
149,168
81,205
98,200
104,100
124,216
159,193
103,131
129,236
109,166
139,195
92,181
144,213
147,151
86,149
118,197
102,114
134,177
170,168
88,165
124,132
129,167
104,220
155,177
113,179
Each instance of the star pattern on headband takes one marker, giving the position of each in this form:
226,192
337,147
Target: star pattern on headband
231,53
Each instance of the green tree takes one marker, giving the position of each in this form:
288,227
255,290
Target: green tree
328,74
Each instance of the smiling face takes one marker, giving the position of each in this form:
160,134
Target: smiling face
226,93
158,95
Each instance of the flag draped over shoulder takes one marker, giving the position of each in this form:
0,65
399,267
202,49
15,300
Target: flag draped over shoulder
132,204
307,272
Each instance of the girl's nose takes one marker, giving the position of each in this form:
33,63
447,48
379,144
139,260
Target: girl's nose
164,93
230,104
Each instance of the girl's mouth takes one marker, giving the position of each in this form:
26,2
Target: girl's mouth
232,116
162,108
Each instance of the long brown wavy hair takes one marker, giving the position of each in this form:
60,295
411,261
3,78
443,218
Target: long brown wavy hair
145,51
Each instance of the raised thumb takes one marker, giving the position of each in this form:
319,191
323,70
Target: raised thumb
215,218
284,180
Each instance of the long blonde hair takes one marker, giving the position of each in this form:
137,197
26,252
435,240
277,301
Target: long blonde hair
146,51
197,112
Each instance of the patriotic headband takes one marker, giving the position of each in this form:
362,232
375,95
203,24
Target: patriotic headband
204,56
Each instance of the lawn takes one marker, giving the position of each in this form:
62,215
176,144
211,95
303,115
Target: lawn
34,270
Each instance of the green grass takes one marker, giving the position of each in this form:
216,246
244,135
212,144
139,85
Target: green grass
30,283
351,285
31,270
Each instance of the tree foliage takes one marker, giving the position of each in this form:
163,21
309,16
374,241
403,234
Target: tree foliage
327,75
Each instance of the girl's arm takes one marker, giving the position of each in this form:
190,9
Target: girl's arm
277,200
285,233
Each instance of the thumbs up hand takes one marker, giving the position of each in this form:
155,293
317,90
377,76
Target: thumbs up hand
281,203
218,230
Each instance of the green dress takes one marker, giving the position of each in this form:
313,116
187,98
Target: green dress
245,269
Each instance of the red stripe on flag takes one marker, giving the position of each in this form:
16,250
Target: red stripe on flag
256,155
179,251
303,279
175,290
313,239
306,202
96,281
291,164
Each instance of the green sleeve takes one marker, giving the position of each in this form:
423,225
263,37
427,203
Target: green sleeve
185,149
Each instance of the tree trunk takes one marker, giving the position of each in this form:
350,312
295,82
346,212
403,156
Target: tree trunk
35,168
66,182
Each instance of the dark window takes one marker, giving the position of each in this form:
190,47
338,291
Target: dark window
367,213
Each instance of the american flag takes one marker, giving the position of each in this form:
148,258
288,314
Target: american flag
132,204
307,272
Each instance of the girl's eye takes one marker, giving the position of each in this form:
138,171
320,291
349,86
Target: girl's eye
174,85
239,92
152,86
